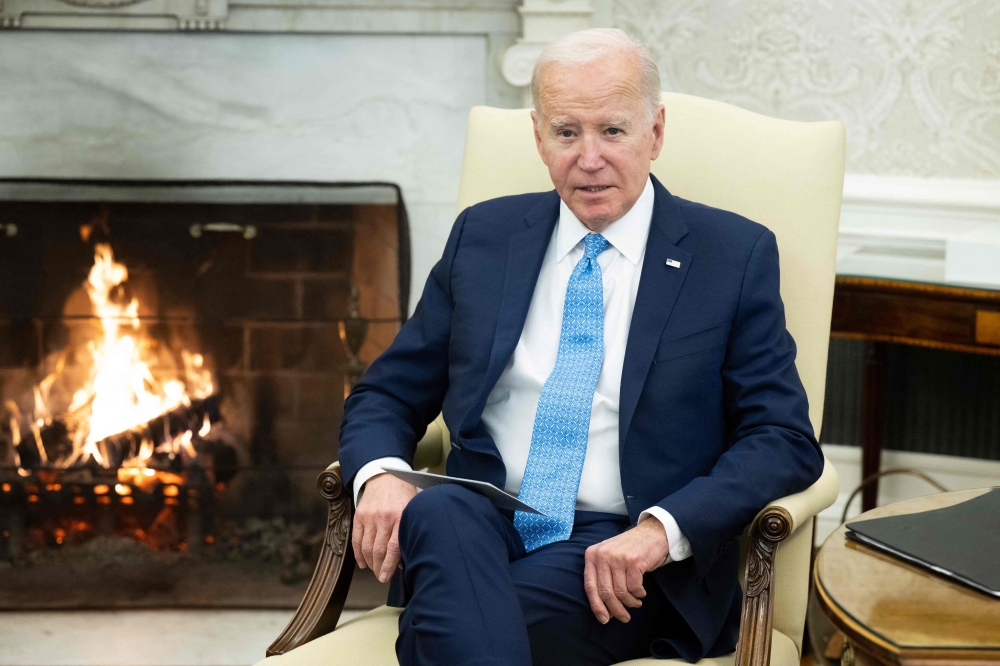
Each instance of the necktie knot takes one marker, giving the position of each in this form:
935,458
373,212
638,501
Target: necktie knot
593,245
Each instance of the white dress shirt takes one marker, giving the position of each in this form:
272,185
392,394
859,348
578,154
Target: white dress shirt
509,415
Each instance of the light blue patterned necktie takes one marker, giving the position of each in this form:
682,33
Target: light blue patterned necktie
562,422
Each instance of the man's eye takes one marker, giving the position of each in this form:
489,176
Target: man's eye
613,131
566,134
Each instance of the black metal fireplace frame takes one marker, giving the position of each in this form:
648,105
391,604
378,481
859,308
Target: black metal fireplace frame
195,501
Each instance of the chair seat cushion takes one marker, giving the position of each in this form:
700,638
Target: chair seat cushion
370,640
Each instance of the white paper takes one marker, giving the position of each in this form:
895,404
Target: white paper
500,499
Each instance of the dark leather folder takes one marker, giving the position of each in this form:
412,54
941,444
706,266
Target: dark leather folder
960,542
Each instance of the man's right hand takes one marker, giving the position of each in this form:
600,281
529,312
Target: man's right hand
376,523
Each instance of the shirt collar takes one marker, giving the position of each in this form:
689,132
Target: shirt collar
627,234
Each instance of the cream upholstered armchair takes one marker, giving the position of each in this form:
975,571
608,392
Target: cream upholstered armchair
785,175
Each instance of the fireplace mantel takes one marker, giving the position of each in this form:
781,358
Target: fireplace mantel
516,31
365,16
252,106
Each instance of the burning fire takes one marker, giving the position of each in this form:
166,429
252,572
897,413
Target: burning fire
121,394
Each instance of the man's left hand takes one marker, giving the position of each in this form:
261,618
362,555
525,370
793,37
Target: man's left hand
612,575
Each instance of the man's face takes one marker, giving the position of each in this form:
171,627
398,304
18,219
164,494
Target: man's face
595,136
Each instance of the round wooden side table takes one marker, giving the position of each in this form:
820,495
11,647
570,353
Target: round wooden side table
894,613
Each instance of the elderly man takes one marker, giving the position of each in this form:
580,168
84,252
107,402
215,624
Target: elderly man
618,358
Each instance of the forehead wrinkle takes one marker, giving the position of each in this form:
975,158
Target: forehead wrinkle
560,106
628,81
619,89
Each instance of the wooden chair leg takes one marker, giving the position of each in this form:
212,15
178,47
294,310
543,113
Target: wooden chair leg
773,526
324,599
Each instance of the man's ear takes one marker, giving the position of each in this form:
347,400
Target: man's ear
538,136
659,123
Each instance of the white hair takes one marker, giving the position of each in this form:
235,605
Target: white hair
585,46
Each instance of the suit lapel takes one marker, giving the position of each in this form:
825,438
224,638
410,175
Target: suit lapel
659,286
525,252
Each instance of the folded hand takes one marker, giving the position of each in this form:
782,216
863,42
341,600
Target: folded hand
376,523
612,575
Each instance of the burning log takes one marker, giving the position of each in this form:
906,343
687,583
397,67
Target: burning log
45,444
51,443
120,447
164,429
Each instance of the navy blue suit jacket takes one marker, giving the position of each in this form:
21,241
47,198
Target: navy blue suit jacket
714,421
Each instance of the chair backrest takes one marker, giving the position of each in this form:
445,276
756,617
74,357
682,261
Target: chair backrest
785,175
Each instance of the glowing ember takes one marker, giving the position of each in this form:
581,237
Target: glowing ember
206,427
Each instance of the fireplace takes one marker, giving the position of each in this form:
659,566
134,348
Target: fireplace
173,362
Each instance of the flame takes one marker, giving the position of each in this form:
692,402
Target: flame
122,392
118,398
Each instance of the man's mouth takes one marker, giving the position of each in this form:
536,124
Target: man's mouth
598,188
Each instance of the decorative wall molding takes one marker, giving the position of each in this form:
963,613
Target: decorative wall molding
899,227
115,14
964,195
519,62
496,18
101,4
543,21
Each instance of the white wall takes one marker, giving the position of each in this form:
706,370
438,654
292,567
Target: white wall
346,108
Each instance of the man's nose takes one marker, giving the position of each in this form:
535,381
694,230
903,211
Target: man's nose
590,154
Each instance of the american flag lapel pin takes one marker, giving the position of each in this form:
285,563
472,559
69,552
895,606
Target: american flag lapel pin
673,263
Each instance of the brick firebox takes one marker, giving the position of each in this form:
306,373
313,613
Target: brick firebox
258,277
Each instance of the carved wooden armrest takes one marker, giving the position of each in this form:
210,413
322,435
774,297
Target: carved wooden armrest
324,599
778,521
773,525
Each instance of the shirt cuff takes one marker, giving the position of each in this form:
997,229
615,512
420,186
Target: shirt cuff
374,468
680,548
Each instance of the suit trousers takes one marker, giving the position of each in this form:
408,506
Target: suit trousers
474,597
